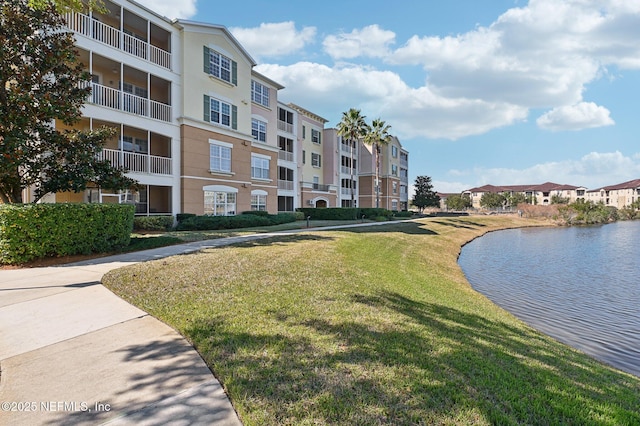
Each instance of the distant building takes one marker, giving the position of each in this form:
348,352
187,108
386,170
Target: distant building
619,195
540,194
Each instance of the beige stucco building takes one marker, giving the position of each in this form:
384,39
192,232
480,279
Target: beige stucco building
619,195
203,132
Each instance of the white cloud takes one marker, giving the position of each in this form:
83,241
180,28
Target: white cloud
539,56
575,117
593,170
411,112
174,9
370,41
274,39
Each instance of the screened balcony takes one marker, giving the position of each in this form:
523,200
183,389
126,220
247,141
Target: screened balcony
124,30
137,150
118,86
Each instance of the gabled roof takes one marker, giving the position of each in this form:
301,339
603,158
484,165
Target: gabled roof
544,187
181,23
632,184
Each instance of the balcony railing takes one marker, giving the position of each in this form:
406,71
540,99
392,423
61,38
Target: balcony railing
113,37
285,127
346,148
287,185
347,170
285,155
347,191
117,99
321,187
137,163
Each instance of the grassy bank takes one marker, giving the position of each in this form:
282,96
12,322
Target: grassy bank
372,326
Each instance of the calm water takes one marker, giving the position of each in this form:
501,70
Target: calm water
580,285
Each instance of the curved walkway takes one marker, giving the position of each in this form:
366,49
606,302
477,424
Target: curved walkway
72,352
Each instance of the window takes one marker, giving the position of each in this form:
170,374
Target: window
259,202
259,130
259,167
395,187
259,93
394,151
220,158
315,136
304,132
304,157
316,160
394,170
219,203
394,204
132,144
219,66
220,112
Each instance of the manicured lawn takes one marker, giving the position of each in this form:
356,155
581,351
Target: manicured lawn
372,326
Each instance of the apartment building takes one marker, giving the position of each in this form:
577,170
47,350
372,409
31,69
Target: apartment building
619,195
316,168
289,159
343,156
387,192
540,194
133,56
228,165
203,132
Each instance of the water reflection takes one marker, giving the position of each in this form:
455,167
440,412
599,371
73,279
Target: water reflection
579,284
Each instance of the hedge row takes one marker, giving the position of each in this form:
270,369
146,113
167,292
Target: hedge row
33,231
153,223
245,220
346,213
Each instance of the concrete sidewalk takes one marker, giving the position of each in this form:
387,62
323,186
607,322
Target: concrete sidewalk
71,352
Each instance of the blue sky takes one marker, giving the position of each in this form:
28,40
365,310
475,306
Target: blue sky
480,92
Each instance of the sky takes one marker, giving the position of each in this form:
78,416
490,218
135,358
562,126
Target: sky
501,92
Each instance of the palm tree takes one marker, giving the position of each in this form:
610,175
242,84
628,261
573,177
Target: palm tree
352,127
376,136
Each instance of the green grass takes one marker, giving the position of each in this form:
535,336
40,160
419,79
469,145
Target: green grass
372,326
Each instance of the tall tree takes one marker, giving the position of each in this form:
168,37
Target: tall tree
424,195
42,81
352,127
63,6
377,135
492,200
458,202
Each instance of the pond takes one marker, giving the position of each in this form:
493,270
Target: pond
580,285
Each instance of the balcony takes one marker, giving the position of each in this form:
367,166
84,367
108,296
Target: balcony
347,170
285,156
137,163
285,127
286,185
123,101
320,187
346,148
111,36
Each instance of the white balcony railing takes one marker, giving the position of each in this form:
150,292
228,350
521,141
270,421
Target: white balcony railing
285,156
113,37
285,127
138,163
117,99
346,170
346,148
285,184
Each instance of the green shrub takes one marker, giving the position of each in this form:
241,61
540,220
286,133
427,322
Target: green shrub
152,223
212,223
404,213
33,231
375,212
257,212
334,213
182,216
